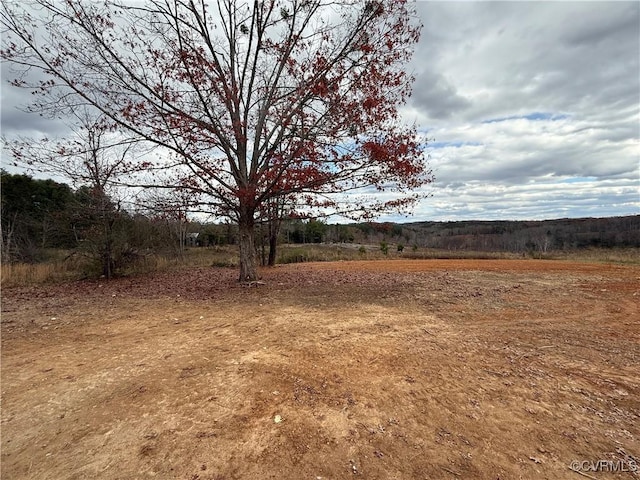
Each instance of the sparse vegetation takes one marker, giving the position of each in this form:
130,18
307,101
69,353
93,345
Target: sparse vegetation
60,238
23,274
62,266
319,253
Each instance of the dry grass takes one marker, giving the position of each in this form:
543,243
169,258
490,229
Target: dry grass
434,253
16,274
628,256
64,267
61,267
324,253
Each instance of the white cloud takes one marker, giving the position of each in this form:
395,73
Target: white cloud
562,78
523,97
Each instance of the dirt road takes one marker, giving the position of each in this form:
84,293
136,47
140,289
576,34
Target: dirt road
457,369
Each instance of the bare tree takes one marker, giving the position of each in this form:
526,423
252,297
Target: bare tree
94,154
93,158
172,209
256,100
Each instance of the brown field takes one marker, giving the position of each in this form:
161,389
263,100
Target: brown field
434,369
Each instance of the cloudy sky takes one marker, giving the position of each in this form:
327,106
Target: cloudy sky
532,109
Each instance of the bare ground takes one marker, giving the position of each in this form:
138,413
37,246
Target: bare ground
491,369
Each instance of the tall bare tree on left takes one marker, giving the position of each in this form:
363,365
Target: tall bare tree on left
257,99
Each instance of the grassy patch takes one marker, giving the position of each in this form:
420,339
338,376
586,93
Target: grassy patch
315,253
624,256
438,254
61,266
54,270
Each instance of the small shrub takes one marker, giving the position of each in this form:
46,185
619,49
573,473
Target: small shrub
384,247
224,263
400,248
362,250
295,255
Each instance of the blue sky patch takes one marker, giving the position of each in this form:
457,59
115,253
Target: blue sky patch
452,144
530,116
578,180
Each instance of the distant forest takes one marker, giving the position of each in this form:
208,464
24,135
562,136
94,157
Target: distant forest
38,215
495,236
519,236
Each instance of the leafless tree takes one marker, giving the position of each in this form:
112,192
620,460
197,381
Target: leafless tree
255,100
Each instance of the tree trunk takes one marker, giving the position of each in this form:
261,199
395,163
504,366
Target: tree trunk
263,251
107,259
248,260
273,242
274,230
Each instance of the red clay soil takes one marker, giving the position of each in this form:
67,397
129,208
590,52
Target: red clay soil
436,369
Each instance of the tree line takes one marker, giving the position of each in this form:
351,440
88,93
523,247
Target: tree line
527,236
523,236
40,215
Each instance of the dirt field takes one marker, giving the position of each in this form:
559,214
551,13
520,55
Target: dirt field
457,369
